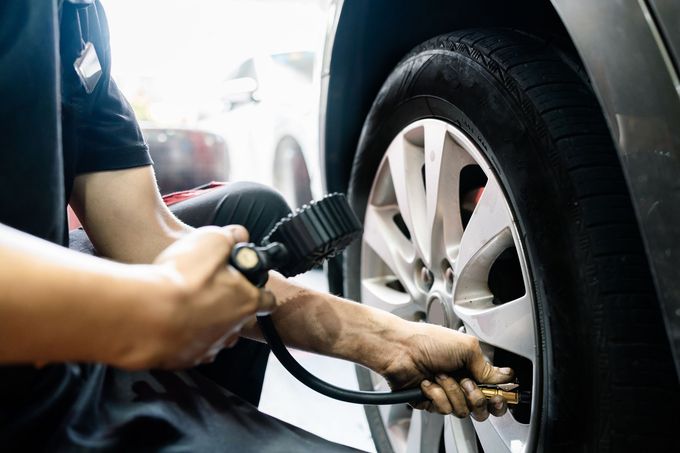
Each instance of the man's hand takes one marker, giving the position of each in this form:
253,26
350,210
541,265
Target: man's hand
209,301
58,305
431,355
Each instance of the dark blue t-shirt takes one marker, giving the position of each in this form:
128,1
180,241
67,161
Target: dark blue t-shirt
51,130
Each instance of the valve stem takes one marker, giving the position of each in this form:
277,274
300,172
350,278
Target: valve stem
507,392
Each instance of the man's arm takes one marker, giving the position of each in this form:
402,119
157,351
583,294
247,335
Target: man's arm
124,215
408,354
126,219
57,305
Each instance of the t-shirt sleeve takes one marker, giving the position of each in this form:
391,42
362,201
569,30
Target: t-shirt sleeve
109,138
107,134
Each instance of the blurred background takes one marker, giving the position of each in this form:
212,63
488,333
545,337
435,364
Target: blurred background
228,90
224,89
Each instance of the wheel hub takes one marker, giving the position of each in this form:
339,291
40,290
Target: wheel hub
438,312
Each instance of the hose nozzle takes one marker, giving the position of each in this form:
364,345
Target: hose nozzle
507,391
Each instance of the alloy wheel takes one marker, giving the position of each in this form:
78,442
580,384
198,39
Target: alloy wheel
440,245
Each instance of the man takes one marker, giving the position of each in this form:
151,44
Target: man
87,344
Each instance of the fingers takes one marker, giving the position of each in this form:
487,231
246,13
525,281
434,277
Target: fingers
497,406
246,299
476,400
212,245
239,232
199,254
229,277
454,394
437,396
482,371
446,396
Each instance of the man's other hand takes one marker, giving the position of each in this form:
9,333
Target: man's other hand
201,305
431,356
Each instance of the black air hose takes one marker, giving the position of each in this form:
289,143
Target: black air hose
296,244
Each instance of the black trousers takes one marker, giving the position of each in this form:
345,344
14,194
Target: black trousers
194,410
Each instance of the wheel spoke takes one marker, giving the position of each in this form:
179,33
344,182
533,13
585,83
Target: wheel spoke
380,384
502,434
405,161
396,417
509,326
459,435
424,432
486,236
444,160
376,293
382,235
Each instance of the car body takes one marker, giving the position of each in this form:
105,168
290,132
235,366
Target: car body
626,52
269,102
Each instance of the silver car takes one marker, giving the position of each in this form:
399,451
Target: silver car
516,165
270,103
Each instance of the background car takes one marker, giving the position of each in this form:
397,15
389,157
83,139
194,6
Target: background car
186,158
268,117
515,165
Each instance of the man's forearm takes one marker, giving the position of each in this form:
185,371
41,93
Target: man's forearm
332,326
315,321
58,305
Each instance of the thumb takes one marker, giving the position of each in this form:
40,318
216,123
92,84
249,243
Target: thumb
485,373
239,233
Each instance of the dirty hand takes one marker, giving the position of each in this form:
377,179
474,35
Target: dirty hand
432,354
206,302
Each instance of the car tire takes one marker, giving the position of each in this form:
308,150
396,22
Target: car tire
607,381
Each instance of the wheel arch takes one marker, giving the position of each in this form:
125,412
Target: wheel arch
371,37
284,139
300,167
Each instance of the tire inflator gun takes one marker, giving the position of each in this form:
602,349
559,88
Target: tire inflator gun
304,239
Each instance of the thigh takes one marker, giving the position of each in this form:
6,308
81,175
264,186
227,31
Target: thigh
258,208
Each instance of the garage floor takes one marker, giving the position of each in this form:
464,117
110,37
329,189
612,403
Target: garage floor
287,399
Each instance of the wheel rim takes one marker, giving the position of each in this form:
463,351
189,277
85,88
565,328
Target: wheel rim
440,245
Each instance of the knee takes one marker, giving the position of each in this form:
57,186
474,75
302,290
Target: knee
264,197
255,206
